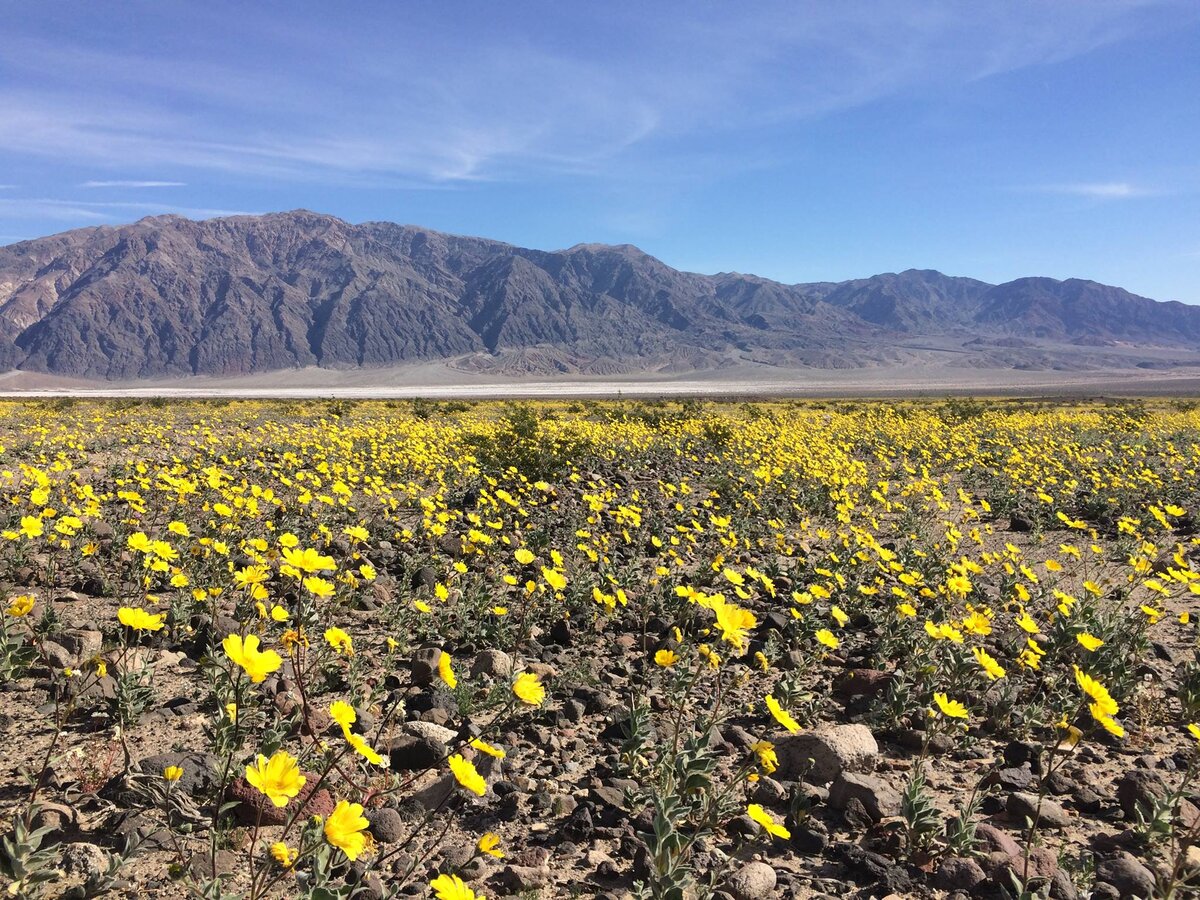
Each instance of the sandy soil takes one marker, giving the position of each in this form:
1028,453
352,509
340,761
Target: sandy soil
439,380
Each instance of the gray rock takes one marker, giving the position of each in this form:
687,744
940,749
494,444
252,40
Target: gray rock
387,826
959,874
492,663
1062,888
206,866
1015,778
84,860
199,777
1124,872
1049,814
524,878
833,750
57,656
877,797
424,665
82,643
424,578
431,731
436,793
993,839
769,792
753,881
1138,788
413,753
1087,800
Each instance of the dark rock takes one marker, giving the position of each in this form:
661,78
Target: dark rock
519,878
937,744
864,683
768,792
1087,800
959,874
1015,779
1062,888
1138,788
139,830
1124,872
879,799
571,711
580,825
993,839
855,816
810,837
199,777
253,806
1121,840
206,866
1020,753
1059,783
868,868
561,633
1020,523
367,885
1047,813
387,826
424,578
414,752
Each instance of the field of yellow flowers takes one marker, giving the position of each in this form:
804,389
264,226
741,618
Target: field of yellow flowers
654,649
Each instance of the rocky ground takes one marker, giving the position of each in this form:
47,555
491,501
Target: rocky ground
559,800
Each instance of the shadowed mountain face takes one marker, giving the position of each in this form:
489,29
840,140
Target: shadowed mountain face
168,296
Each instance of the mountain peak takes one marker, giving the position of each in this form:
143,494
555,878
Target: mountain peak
167,296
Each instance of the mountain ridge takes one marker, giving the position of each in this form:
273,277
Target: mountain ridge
169,296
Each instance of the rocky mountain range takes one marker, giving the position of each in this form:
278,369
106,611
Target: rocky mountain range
167,296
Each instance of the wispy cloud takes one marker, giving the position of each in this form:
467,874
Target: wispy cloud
1098,190
363,99
96,211
133,184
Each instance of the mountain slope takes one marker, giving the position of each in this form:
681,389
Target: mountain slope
167,296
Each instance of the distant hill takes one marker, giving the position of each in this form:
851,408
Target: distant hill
168,296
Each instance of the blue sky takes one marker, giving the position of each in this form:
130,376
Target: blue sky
801,141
